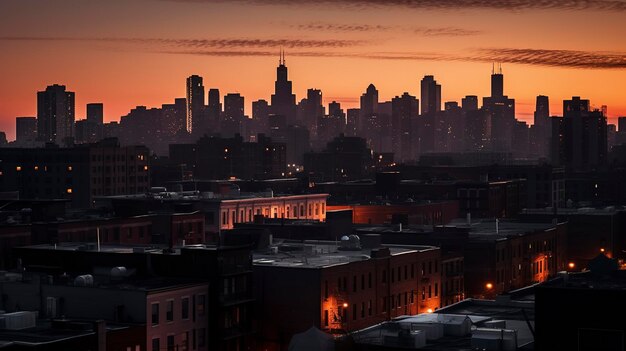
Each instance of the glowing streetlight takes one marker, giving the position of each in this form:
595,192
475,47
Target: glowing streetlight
489,286
571,265
345,305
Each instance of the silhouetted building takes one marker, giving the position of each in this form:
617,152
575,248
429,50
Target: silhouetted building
469,103
314,110
55,115
431,95
352,121
579,139
344,158
260,114
405,110
578,304
541,130
501,111
195,102
223,158
79,173
173,118
25,129
233,115
283,100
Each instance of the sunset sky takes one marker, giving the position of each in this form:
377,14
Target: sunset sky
126,53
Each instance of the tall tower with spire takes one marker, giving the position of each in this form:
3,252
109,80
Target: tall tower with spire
501,110
283,100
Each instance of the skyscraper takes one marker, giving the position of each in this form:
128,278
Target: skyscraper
369,123
542,111
260,116
55,115
502,113
283,100
469,103
582,138
497,82
195,101
431,95
404,111
25,129
233,115
95,113
314,110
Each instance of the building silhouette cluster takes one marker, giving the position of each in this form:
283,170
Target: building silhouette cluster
413,223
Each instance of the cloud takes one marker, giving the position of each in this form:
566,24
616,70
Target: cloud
446,32
336,27
313,48
207,43
366,28
574,5
552,58
534,57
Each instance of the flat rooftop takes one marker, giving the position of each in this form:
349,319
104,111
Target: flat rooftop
510,314
320,254
485,229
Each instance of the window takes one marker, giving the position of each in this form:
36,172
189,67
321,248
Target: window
185,307
155,314
430,291
326,318
170,343
385,304
326,289
201,337
369,280
362,281
430,267
369,308
156,344
412,270
362,309
201,305
185,342
169,312
436,289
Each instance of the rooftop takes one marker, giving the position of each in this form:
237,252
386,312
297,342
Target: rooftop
455,326
321,254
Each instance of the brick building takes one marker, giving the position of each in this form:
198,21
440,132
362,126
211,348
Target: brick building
340,288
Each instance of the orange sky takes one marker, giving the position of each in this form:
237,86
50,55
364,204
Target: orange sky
138,52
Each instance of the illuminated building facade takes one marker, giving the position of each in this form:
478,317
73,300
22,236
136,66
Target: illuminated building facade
339,289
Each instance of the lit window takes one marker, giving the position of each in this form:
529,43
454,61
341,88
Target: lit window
145,168
69,168
18,168
36,168
69,190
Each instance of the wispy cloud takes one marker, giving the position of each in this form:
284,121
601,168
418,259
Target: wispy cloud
534,57
206,43
341,27
446,32
367,28
553,58
313,48
575,5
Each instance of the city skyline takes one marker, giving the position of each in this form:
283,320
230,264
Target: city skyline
129,60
